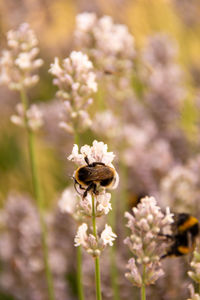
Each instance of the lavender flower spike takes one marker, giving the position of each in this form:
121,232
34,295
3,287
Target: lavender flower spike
144,242
76,83
18,63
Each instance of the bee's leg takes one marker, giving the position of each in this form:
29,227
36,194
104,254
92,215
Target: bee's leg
80,186
89,188
87,160
168,236
170,252
95,189
96,163
164,255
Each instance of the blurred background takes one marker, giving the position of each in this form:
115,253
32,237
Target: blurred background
53,22
164,30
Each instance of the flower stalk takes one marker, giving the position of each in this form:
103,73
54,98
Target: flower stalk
79,248
143,287
79,273
113,250
37,194
97,265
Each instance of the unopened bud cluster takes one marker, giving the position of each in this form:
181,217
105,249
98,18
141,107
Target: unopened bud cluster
18,63
76,81
146,223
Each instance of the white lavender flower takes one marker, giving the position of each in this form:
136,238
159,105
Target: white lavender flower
108,236
98,152
93,245
146,223
76,81
101,202
33,114
18,64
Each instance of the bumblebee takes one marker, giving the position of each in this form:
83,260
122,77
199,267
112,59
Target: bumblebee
92,175
186,230
134,199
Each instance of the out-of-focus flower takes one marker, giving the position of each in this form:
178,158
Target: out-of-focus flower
188,11
33,114
149,160
165,91
19,63
180,189
76,81
195,264
193,295
111,48
69,202
105,41
161,50
146,223
21,256
110,127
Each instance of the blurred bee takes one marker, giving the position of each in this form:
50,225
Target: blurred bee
134,199
89,177
185,231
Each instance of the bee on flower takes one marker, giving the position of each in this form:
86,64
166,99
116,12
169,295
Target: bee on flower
94,175
96,172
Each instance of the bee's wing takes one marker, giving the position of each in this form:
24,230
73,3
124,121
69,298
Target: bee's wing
97,173
190,240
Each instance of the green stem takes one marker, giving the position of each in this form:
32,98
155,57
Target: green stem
37,194
79,274
97,265
76,138
114,270
79,252
143,288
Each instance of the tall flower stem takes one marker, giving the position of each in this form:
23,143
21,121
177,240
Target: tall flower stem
37,194
143,288
97,265
79,250
79,273
114,271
